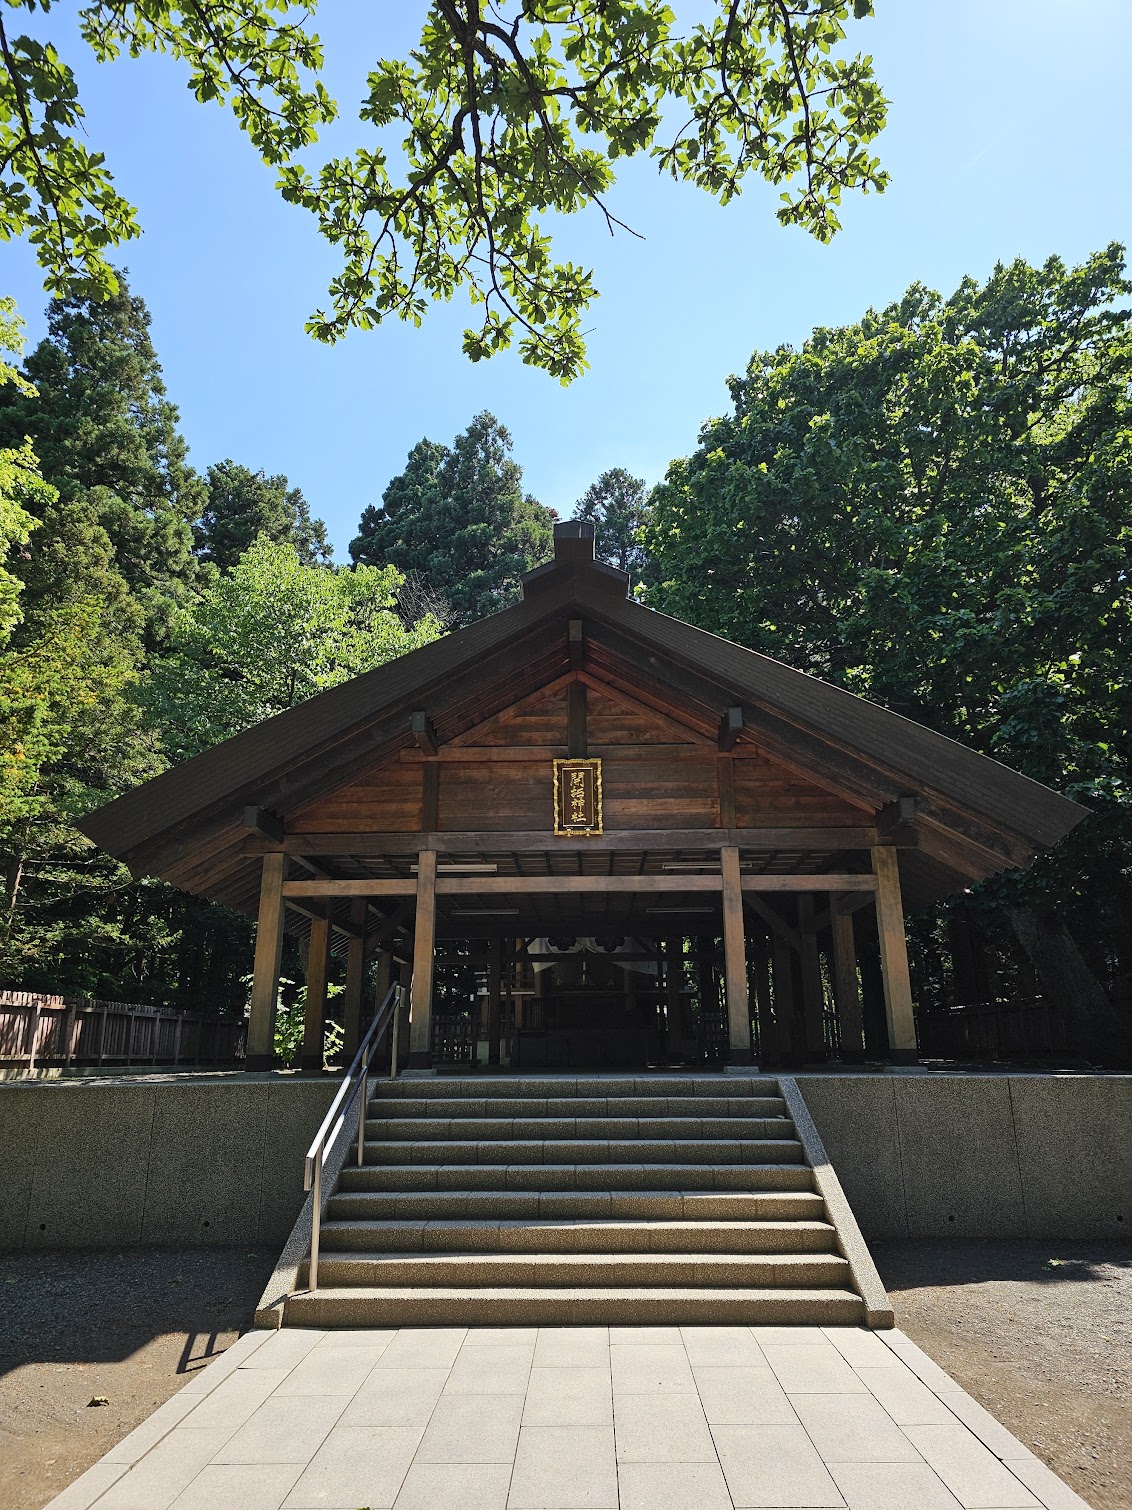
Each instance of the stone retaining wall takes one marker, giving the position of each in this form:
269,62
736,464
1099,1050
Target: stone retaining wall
220,1162
931,1155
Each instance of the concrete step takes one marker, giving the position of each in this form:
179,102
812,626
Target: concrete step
528,1129
522,1087
450,1306
579,1236
728,1271
762,1151
396,1107
608,1177
631,1205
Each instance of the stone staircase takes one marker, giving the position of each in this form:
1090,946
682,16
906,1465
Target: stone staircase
578,1200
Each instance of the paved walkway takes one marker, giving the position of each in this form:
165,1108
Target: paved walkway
585,1418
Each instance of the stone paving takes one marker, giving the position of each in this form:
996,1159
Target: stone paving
561,1418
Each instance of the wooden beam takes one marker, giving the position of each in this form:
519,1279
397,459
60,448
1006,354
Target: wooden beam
528,841
430,795
725,780
266,825
894,957
846,989
576,720
735,959
424,946
473,886
314,1017
576,641
730,727
355,978
389,926
265,971
424,733
778,925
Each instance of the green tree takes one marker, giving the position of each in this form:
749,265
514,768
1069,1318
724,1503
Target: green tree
242,505
458,518
933,508
103,427
500,119
271,632
618,504
22,489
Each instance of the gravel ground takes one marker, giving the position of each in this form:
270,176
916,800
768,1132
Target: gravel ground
1041,1334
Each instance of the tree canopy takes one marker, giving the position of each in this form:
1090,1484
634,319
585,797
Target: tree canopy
103,428
271,632
458,519
618,506
242,505
931,508
500,119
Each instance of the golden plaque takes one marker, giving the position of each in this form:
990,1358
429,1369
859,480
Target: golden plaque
577,797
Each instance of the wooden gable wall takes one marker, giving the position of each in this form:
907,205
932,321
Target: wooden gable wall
656,774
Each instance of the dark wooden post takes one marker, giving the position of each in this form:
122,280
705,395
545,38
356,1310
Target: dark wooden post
768,1038
813,997
789,1051
265,971
673,980
355,980
494,982
846,990
314,1017
894,957
735,958
424,942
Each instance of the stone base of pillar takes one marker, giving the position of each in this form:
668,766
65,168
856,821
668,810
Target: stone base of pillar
419,1059
904,1056
311,1064
257,1063
741,1056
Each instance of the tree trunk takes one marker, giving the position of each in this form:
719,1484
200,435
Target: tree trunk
1067,980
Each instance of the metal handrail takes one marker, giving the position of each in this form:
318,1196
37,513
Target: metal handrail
355,1080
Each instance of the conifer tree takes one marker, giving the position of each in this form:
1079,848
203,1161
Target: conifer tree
458,518
242,505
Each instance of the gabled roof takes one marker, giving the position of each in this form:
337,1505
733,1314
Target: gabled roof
974,816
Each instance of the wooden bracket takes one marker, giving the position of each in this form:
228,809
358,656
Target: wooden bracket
425,734
267,825
730,727
894,823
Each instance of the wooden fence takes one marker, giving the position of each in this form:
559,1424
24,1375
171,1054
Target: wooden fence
1006,1031
49,1032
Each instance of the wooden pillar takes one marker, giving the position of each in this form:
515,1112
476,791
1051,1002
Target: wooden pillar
768,1036
846,991
813,996
314,1017
894,957
405,982
355,980
790,1052
735,958
265,972
494,983
673,980
424,942
382,980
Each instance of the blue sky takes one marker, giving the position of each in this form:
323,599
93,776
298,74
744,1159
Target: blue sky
1010,135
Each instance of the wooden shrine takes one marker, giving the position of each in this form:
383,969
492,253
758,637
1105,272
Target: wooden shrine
588,835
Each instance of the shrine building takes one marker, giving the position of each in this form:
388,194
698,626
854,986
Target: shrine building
585,835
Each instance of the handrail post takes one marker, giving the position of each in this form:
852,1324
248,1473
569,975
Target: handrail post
362,1099
396,1036
316,1221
